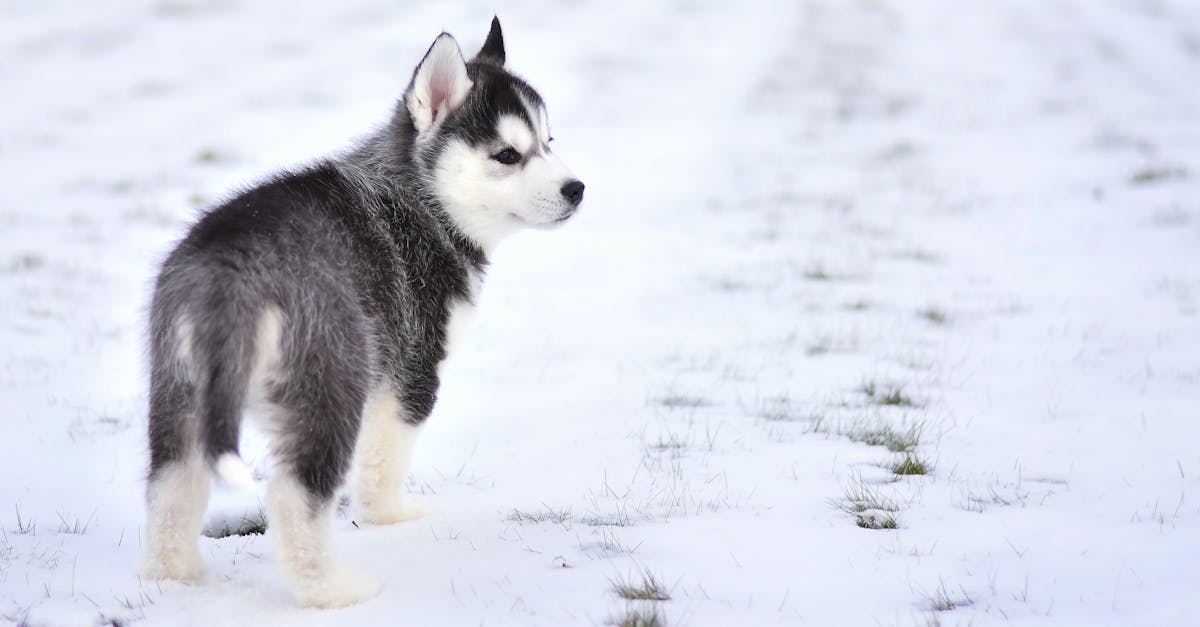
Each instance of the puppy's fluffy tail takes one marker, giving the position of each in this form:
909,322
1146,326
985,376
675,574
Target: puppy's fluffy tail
232,471
227,335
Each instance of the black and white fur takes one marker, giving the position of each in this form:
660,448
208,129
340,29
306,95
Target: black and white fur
324,300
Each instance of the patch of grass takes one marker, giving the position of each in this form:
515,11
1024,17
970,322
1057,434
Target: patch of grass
860,496
649,588
817,272
135,607
209,155
920,256
977,502
250,525
25,526
123,186
547,514
858,305
898,150
646,615
610,542
934,315
618,519
942,601
890,395
24,262
672,442
870,509
776,409
6,551
676,401
877,520
726,284
826,343
76,527
817,425
1147,176
896,440
914,360
911,465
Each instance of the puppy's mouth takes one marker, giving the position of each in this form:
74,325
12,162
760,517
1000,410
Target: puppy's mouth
545,225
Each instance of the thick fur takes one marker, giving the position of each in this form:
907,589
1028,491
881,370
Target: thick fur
324,297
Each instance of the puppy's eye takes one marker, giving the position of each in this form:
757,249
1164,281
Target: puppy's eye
508,156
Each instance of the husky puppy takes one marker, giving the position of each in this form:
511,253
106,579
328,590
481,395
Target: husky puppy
325,300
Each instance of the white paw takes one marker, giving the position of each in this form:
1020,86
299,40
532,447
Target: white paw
339,589
186,565
404,508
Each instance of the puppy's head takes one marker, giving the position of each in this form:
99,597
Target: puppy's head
483,140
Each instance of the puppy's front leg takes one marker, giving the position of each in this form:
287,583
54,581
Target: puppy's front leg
382,459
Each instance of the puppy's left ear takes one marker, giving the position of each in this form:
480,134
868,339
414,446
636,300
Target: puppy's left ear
493,49
439,84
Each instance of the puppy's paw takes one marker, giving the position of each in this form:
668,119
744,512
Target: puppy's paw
183,565
338,589
404,508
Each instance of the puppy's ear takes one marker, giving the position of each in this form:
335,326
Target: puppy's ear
439,84
493,49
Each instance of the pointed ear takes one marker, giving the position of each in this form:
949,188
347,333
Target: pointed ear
439,84
493,49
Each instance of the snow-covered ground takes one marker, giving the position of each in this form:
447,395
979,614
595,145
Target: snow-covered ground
969,230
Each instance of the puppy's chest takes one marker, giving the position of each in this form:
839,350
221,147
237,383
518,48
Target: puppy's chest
460,317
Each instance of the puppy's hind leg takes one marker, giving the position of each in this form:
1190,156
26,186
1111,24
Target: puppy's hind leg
382,459
177,491
301,522
314,454
176,497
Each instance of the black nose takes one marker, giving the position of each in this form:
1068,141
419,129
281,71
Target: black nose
573,191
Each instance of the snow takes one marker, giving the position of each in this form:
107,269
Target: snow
991,206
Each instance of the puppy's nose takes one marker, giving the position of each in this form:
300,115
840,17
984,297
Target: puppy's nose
573,191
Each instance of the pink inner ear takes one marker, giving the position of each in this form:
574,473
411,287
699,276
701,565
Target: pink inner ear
439,92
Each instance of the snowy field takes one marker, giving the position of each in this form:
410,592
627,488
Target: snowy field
875,313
